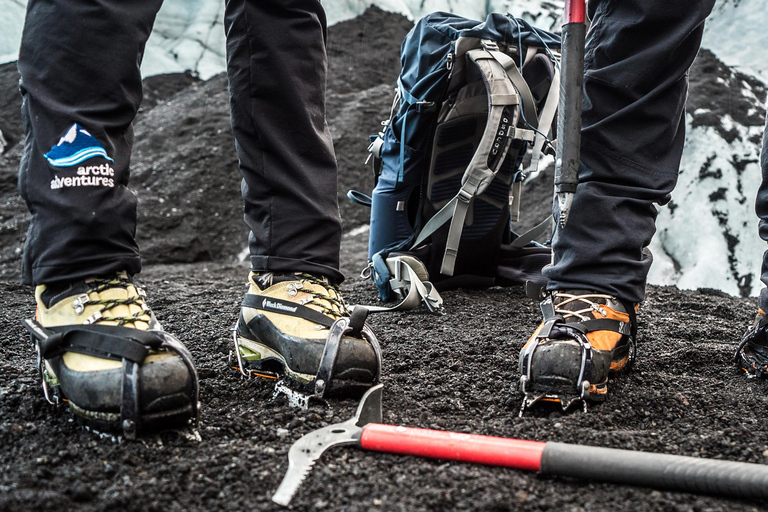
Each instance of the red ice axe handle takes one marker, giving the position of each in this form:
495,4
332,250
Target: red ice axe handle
661,471
436,444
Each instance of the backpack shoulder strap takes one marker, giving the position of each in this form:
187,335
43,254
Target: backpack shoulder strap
502,92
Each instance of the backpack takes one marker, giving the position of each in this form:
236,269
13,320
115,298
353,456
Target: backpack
472,98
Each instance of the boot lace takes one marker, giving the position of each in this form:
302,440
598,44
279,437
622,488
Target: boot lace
105,314
330,302
565,299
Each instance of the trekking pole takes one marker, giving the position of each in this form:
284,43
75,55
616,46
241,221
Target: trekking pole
569,116
662,471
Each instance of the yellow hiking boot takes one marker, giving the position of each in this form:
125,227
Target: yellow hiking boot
585,338
100,348
298,324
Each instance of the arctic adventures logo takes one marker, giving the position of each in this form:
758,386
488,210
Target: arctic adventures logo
87,176
75,147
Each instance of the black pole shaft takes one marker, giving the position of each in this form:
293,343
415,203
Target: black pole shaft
660,471
569,114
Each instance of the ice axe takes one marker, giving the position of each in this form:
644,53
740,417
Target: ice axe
671,472
569,112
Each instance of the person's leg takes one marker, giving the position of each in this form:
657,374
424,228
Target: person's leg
99,345
633,128
752,352
761,208
79,65
276,65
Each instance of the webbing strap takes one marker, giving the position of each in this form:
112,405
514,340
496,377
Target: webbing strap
545,120
406,282
407,96
437,220
410,100
533,233
108,342
454,233
515,199
285,307
401,171
513,72
606,324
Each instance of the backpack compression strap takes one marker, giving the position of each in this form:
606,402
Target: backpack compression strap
542,129
406,282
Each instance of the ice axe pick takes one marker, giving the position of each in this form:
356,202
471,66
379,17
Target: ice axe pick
671,472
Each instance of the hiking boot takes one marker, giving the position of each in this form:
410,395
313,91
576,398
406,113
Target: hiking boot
298,324
586,338
100,349
752,352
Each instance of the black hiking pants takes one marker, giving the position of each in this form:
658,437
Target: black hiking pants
633,128
81,88
761,208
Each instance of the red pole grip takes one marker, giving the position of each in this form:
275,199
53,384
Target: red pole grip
436,444
575,11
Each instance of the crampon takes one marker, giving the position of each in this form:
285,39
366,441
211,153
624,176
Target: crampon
586,338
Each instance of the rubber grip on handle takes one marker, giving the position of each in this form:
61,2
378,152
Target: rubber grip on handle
661,471
436,444
575,11
571,106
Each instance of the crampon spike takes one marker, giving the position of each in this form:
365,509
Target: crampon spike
564,401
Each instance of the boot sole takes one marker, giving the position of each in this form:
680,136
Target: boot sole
255,355
261,357
111,421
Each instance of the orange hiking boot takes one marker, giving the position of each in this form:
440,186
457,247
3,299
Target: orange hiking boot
101,350
752,352
298,325
585,338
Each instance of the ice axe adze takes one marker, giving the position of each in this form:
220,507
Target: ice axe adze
569,110
672,472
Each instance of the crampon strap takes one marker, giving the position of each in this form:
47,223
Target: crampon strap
131,346
354,326
555,327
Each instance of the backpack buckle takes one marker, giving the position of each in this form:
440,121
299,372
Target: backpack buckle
425,106
489,46
464,196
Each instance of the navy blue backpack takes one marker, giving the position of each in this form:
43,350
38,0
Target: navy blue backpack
473,98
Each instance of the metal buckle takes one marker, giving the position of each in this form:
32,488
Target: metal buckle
43,372
240,366
80,302
367,272
94,318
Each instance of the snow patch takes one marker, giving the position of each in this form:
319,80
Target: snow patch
707,235
735,32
